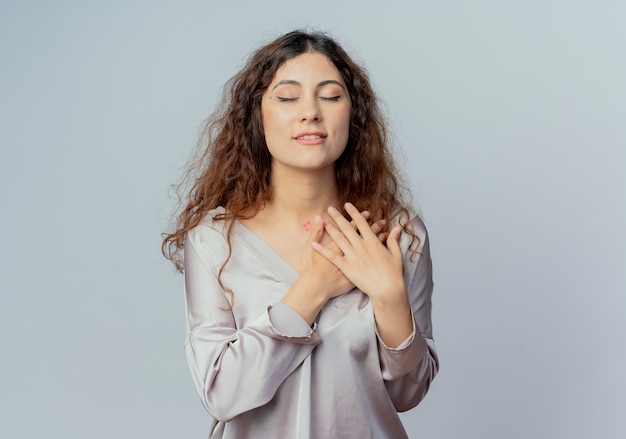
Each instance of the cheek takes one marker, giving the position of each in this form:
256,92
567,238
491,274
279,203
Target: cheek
348,118
347,113
345,119
267,122
272,121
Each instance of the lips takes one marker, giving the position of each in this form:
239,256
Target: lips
310,136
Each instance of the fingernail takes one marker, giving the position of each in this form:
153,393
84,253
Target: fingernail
318,220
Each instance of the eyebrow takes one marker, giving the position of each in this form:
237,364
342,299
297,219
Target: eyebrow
321,84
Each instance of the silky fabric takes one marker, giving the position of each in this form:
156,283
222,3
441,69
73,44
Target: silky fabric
262,372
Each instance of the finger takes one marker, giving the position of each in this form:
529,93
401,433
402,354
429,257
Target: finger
393,239
344,226
382,237
365,215
317,229
332,245
339,239
331,256
362,225
378,226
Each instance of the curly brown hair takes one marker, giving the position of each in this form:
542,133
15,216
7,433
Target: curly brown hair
231,165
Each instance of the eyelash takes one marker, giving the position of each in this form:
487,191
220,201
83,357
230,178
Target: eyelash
323,98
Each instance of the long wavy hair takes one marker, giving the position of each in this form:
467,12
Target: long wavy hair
231,165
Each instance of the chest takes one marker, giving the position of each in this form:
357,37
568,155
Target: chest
290,243
289,247
259,277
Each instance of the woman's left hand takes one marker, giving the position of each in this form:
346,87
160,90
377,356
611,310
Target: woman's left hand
372,266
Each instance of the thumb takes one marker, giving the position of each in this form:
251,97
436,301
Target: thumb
317,230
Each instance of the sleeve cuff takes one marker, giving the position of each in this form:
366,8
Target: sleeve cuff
402,345
397,362
286,322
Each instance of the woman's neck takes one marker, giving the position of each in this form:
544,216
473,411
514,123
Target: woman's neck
301,196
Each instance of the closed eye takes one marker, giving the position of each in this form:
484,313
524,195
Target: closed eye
330,98
280,99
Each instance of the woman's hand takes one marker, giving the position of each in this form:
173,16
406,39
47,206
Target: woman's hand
374,268
331,282
320,279
334,280
361,255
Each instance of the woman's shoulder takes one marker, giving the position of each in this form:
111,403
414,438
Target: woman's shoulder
415,236
212,227
214,217
411,219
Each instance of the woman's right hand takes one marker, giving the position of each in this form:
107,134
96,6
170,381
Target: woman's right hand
319,273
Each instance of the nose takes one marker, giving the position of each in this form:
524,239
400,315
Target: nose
310,111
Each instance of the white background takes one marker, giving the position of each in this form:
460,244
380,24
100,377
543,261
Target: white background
511,116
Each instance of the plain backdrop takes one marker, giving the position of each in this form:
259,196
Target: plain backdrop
510,122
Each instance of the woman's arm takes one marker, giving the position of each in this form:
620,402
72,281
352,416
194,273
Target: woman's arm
320,280
400,289
410,368
375,268
235,369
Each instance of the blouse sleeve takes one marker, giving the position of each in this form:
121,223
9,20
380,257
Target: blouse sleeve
235,369
409,368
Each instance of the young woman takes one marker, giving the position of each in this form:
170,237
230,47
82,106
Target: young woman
308,280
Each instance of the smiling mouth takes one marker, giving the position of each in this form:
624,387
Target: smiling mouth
309,137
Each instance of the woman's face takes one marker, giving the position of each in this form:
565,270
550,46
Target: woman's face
306,114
